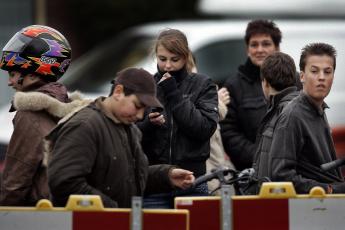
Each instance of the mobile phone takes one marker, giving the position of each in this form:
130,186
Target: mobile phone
157,109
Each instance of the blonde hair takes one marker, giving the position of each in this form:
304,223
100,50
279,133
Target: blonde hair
176,42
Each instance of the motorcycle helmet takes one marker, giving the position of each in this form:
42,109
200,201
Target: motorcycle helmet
39,50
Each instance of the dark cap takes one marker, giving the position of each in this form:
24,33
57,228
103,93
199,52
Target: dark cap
141,83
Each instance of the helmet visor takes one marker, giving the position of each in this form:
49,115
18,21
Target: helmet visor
17,43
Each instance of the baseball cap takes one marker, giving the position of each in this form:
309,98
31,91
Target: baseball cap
141,83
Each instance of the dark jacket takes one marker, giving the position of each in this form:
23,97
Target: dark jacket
191,113
93,153
24,179
302,142
266,130
245,112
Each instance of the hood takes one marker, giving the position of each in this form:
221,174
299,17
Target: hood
36,101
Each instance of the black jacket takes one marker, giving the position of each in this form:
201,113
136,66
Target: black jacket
245,112
191,113
302,142
266,130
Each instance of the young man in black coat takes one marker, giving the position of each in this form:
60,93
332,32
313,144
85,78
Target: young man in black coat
302,140
278,73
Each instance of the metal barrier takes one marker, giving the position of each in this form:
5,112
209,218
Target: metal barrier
87,213
276,207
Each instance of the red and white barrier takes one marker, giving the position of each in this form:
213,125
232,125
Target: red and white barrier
91,217
277,207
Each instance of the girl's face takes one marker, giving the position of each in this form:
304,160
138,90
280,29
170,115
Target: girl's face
168,61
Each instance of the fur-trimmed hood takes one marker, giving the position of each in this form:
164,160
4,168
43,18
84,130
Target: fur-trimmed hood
36,101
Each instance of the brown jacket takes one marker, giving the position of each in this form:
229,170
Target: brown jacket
93,153
24,179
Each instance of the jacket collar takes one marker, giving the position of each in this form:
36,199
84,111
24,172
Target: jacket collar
312,105
179,75
284,95
249,71
100,105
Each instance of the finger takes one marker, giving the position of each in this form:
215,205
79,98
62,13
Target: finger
154,114
166,75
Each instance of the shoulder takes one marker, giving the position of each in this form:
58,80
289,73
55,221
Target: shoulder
290,114
234,81
86,120
88,115
201,81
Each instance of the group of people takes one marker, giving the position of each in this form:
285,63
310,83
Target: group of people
154,134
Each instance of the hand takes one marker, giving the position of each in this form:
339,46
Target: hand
156,118
223,95
181,178
165,76
338,188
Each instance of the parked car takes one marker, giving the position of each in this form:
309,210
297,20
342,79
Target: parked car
218,47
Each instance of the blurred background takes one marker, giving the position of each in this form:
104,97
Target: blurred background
109,35
86,23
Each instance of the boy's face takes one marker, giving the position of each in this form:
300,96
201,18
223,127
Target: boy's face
27,81
317,77
128,109
13,77
259,47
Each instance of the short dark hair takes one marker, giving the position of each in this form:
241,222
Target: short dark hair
263,27
317,49
279,70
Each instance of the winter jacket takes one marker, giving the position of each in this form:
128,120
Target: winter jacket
91,152
302,142
246,109
266,129
245,112
24,179
191,113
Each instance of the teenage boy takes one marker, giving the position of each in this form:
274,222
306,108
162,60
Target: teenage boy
97,150
302,139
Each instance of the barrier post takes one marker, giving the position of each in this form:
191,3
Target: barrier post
136,213
225,208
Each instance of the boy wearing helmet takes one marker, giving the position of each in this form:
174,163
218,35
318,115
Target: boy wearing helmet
35,58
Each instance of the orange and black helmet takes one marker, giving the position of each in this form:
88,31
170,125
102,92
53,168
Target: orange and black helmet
39,50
